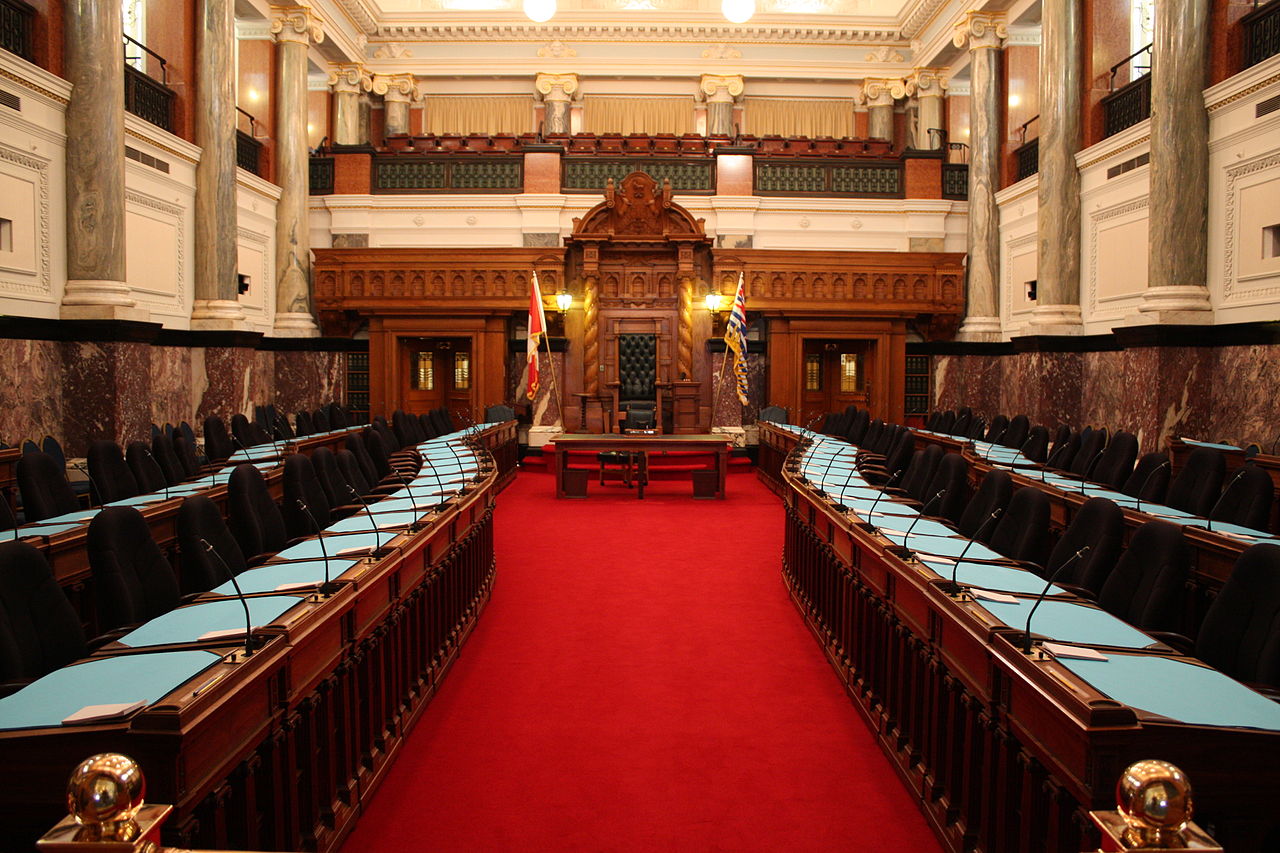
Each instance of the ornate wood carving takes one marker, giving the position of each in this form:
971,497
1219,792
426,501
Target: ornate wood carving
590,337
634,214
684,350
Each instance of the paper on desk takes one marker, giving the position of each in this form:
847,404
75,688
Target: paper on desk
1058,650
223,634
990,595
93,713
286,587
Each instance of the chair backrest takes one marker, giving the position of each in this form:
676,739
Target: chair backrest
1092,442
1199,483
252,514
280,429
930,458
1063,453
406,428
306,508
1150,478
379,454
858,426
1022,533
428,426
996,430
993,494
1015,435
29,446
871,439
162,449
185,430
217,444
946,421
44,487
952,479
146,471
1240,634
355,444
1061,436
241,432
321,420
961,427
1036,446
900,454
1247,499
331,479
338,417
39,629
773,414
199,518
349,467
1148,584
389,439
977,429
50,445
1116,462
185,451
1099,524
444,423
638,417
302,424
112,480
132,580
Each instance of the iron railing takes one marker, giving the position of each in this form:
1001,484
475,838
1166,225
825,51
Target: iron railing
248,148
1261,33
144,96
321,176
1131,103
16,22
851,180
1028,159
591,174
955,181
494,174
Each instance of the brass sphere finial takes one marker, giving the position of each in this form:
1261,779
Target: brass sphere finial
105,792
1154,797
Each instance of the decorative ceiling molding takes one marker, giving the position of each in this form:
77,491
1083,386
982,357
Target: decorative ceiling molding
1024,34
361,14
631,32
917,17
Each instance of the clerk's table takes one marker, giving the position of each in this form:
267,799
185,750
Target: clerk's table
646,446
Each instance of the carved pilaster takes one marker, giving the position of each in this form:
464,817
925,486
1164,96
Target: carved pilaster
684,345
591,336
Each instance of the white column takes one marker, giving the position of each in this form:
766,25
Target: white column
880,95
295,29
398,91
928,86
348,82
556,92
720,92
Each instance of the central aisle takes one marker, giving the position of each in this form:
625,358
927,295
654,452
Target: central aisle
641,681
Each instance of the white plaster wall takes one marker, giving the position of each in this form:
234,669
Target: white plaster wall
256,247
1018,253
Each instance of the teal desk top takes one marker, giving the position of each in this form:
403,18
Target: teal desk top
311,549
1195,443
949,546
272,576
101,681
995,577
1069,622
187,624
43,528
384,521
1178,689
923,527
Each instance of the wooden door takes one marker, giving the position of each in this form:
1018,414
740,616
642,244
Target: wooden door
437,372
834,374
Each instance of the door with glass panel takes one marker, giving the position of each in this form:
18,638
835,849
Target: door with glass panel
437,373
834,375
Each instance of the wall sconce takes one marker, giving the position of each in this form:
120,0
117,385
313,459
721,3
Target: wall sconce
713,302
564,301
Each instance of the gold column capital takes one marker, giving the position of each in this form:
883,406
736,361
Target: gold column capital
396,87
926,82
883,91
556,87
297,22
721,87
350,78
980,30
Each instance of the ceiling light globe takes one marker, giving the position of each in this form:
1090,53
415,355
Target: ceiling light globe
539,11
738,11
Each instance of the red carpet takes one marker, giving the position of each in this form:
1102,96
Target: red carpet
640,681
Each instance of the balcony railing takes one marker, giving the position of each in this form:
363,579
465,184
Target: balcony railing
321,175
1261,33
1028,158
16,22
803,177
144,96
955,181
248,148
590,174
1131,103
477,174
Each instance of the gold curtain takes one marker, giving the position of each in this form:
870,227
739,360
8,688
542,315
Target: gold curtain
798,117
637,115
493,114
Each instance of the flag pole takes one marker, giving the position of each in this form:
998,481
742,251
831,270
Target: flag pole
555,386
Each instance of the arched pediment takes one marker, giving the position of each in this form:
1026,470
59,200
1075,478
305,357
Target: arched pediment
638,210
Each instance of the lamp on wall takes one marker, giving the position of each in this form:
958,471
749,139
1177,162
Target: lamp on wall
564,301
713,302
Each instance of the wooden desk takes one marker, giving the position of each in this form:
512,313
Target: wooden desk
283,749
646,445
1003,752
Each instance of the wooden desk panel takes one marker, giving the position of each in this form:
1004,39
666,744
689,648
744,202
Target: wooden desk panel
645,444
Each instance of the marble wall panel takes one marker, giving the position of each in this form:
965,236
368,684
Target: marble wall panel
227,374
31,395
308,380
1245,406
726,408
260,384
171,400
968,380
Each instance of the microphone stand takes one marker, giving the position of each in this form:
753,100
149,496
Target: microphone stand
924,510
84,469
1146,482
1218,502
326,588
1026,634
249,644
373,522
164,489
954,586
876,502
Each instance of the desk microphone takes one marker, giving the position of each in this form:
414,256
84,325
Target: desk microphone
1218,502
1070,561
874,526
83,469
1142,491
165,488
413,498
462,487
924,510
249,644
954,586
372,521
326,588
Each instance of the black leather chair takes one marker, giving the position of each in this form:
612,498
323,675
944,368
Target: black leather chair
165,455
952,479
186,432
199,518
871,439
858,426
378,451
217,444
321,420
924,464
388,437
355,444
444,423
353,474
408,432
893,465
773,414
280,429
1150,478
1247,499
946,421
1036,447
993,495
835,423
639,418
132,580
50,445
332,480
29,446
1022,533
110,475
39,629
306,507
964,417
146,471
1015,435
253,516
1147,587
1116,462
1240,634
996,429
1099,524
1092,443
977,428
44,487
428,426
338,418
1199,483
185,451
303,425
1063,450
241,435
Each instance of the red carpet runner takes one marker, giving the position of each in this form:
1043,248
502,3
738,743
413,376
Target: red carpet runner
640,681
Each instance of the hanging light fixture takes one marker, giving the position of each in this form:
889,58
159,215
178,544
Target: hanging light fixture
564,301
539,11
738,11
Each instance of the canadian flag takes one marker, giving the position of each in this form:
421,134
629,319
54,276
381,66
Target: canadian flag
537,329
